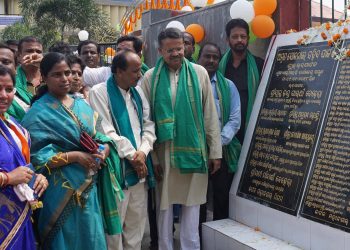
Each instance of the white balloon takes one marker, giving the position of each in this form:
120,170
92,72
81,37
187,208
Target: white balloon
219,1
186,8
83,35
199,3
242,9
176,24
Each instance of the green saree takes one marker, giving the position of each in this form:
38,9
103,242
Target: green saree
73,218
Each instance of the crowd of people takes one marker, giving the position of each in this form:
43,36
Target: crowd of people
90,153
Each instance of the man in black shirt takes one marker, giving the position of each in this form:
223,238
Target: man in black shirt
242,68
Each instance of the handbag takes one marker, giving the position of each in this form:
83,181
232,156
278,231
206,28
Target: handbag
88,144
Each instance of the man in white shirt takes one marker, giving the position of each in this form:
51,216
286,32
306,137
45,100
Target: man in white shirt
134,134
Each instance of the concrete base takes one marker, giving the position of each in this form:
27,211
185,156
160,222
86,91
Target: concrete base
230,235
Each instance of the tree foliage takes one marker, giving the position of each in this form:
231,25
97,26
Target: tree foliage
16,31
53,20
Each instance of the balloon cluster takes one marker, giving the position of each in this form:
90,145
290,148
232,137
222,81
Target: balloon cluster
110,51
258,15
196,30
109,54
203,3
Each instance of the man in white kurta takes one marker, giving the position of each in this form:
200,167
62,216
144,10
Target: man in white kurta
188,189
126,68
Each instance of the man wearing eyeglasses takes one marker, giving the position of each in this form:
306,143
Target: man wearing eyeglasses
242,68
188,133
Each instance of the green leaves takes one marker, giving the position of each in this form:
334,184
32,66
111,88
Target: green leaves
54,20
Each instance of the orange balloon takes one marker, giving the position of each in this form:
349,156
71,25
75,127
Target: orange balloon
197,31
263,26
264,7
210,2
110,51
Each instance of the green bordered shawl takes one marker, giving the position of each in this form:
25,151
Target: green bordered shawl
15,109
253,78
144,68
122,125
231,151
109,188
183,124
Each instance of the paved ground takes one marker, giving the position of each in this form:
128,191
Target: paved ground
146,238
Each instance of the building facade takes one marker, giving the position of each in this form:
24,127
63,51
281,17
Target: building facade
114,9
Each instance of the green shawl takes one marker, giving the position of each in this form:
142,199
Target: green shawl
109,188
15,109
144,68
231,151
183,124
253,78
122,124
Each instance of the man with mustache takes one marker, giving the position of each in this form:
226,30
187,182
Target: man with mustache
227,104
89,52
188,133
241,67
126,119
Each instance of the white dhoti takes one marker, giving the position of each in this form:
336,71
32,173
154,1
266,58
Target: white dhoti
133,212
189,236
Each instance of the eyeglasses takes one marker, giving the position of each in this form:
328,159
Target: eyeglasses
170,51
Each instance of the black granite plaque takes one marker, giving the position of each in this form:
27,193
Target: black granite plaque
278,160
327,198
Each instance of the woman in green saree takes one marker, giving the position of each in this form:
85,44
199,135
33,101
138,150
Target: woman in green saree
71,217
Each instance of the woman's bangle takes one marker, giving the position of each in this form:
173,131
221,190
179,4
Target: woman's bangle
7,179
2,179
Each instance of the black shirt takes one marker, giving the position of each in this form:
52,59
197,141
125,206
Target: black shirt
239,77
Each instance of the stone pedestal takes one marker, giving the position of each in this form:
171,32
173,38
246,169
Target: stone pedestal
231,235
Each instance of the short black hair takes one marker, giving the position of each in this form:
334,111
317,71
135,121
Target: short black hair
61,47
172,33
73,59
5,46
49,61
188,33
120,61
86,42
209,44
11,42
27,39
237,22
137,42
6,71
